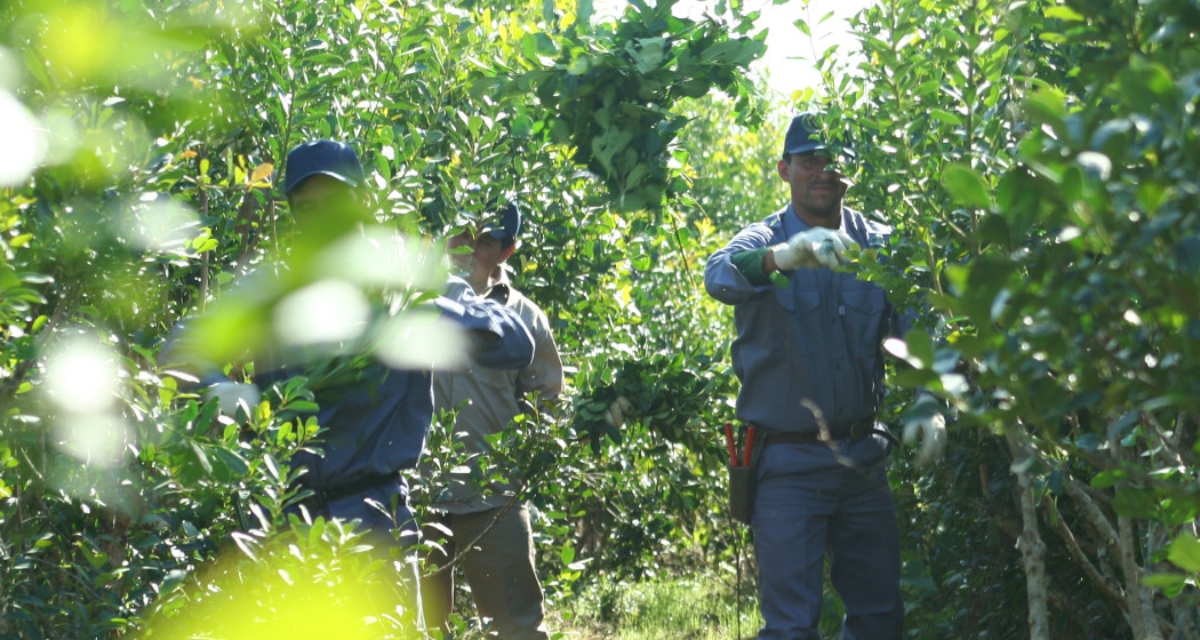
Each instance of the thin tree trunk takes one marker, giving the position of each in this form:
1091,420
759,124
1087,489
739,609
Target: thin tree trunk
1142,618
1141,612
1033,549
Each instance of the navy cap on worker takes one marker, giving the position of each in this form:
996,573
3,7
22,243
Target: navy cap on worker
804,136
337,160
504,224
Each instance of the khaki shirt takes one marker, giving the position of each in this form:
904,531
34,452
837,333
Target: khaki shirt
493,398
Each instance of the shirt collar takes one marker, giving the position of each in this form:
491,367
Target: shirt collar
793,224
500,289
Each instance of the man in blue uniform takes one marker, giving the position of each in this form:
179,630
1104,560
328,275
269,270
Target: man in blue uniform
375,416
809,357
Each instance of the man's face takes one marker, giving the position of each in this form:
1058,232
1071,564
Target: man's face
487,253
322,199
817,188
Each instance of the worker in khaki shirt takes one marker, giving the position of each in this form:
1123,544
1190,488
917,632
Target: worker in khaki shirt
499,567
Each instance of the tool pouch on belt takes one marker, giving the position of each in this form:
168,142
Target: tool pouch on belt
741,485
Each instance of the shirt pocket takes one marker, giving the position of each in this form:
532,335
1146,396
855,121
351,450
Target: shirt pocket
799,302
863,310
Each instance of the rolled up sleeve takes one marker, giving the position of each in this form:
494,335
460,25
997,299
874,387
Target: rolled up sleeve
500,339
722,278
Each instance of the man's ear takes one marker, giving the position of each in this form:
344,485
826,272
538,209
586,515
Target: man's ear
783,169
509,251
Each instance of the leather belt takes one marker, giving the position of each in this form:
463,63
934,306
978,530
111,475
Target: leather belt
856,431
321,498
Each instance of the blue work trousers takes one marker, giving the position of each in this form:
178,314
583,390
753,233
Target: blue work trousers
812,500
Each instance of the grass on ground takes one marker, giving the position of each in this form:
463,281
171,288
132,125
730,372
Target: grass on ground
693,608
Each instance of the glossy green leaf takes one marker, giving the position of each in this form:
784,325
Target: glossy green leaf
1185,552
966,186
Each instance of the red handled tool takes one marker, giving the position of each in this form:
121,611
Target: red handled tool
733,461
749,446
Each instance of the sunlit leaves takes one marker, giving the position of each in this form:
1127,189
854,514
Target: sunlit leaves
421,339
966,187
319,577
611,95
325,312
25,141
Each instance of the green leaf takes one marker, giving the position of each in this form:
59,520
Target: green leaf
966,187
172,581
522,127
584,10
947,117
1171,583
1185,552
1048,106
201,457
649,55
914,378
1065,13
233,462
1108,478
1088,442
1135,502
1151,194
1071,187
303,406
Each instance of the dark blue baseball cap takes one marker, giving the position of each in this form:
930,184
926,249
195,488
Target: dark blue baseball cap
337,160
503,224
804,135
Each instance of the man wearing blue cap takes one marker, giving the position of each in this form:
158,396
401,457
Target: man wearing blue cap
491,526
809,357
375,422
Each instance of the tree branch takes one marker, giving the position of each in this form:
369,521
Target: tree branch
1033,549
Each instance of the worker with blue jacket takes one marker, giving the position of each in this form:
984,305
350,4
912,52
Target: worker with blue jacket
809,357
375,413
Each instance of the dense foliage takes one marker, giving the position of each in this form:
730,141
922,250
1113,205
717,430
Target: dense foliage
1035,159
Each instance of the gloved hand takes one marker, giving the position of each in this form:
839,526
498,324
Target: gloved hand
924,418
818,247
231,395
618,411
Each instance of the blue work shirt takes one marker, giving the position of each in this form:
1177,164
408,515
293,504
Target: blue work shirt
819,339
375,428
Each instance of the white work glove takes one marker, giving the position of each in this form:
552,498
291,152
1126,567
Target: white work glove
818,247
231,395
925,419
617,412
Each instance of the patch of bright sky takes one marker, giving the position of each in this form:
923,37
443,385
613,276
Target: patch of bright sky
790,57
